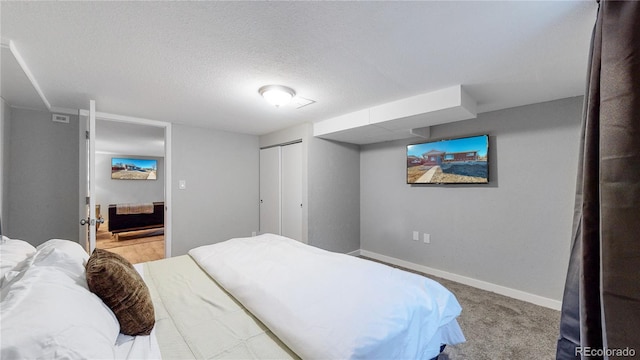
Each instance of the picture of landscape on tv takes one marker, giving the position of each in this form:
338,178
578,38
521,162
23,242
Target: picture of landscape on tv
133,169
453,161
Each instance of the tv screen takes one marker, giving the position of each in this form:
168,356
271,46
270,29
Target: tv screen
452,161
133,169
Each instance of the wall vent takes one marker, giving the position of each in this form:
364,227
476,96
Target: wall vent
60,118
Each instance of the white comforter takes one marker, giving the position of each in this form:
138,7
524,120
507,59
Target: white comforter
325,305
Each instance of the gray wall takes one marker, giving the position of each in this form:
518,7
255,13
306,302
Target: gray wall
514,232
221,170
331,181
5,115
42,179
221,198
334,195
110,191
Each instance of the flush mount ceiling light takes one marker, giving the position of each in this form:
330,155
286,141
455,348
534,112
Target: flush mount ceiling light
277,95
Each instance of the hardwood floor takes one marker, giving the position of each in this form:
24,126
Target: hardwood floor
135,246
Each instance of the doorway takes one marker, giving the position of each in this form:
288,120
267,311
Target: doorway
134,203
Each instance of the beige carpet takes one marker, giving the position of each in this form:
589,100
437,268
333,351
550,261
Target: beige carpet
498,327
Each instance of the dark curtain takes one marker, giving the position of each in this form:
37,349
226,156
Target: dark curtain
601,305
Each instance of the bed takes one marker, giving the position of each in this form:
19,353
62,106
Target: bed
272,298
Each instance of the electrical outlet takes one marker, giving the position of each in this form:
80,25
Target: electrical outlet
253,233
416,235
427,238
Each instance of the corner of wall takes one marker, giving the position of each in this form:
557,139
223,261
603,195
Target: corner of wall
334,195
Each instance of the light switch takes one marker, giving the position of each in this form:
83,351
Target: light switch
182,184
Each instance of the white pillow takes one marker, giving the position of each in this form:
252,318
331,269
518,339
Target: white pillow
66,255
48,312
12,252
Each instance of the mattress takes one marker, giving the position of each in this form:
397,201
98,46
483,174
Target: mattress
197,319
325,305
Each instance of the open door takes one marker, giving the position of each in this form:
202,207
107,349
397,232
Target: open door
87,208
87,177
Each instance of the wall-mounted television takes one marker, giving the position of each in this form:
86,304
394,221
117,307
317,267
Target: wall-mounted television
134,169
451,161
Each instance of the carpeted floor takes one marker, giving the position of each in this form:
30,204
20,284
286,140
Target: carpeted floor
498,327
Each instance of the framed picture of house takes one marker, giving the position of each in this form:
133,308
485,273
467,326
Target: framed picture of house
451,161
133,169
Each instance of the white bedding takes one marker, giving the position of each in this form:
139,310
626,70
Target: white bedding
12,252
137,347
328,305
197,319
48,312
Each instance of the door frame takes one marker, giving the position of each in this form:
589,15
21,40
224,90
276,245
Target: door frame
87,125
167,164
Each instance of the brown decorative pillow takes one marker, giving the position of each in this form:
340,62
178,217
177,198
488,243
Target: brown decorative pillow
121,288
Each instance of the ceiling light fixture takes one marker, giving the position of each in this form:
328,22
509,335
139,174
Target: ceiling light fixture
277,95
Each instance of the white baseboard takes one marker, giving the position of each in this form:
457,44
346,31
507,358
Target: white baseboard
354,253
498,289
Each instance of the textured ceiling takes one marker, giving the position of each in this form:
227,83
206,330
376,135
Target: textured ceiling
201,63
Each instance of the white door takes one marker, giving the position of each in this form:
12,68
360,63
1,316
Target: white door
270,190
291,189
88,177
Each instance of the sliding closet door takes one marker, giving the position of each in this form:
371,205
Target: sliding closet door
291,177
270,190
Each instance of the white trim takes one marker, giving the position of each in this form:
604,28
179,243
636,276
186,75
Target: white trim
355,252
30,108
83,161
167,191
498,289
28,73
63,110
123,118
167,165
92,176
